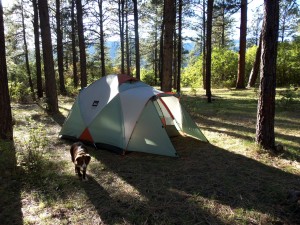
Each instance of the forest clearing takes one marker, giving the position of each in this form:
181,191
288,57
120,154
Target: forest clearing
226,181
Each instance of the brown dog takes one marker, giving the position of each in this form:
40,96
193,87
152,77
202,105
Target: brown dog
80,158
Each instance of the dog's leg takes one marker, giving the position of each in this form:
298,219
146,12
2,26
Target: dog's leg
84,175
77,169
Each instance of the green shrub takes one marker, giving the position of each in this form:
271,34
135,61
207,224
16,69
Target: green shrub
34,148
148,77
288,69
192,75
224,67
20,92
223,70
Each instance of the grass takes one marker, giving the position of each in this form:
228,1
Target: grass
226,181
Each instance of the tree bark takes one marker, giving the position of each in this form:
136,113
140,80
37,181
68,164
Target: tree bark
137,40
6,128
210,5
121,28
161,50
265,135
179,46
60,52
156,66
51,91
74,52
204,47
127,41
240,84
169,23
255,69
102,43
39,82
175,59
82,53
26,53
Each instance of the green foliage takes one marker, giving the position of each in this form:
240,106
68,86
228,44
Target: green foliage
288,67
34,149
20,92
192,75
225,65
223,70
148,76
250,58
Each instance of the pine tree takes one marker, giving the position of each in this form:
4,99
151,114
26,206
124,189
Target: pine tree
265,135
82,53
6,128
50,82
209,49
169,26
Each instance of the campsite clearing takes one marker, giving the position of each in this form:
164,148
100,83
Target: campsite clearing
226,181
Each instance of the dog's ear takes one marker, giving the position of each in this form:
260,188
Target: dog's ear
79,160
87,158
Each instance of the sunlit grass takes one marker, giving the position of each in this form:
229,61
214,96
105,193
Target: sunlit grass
228,181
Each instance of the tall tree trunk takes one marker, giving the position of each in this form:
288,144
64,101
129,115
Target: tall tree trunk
169,23
6,128
102,43
223,25
161,50
39,81
179,46
204,47
74,52
156,50
137,40
121,28
175,59
82,53
26,53
210,5
255,69
60,52
67,59
240,84
127,40
51,91
265,135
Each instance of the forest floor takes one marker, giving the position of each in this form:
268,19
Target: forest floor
226,181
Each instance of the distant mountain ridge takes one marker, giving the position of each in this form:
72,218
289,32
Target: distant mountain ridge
114,45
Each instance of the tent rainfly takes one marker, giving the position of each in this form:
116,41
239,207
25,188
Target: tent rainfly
120,113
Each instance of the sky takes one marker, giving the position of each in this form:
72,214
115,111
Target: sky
252,4
6,3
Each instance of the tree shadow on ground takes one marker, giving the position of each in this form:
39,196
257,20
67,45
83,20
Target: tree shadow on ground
238,118
139,195
10,186
242,132
59,118
204,179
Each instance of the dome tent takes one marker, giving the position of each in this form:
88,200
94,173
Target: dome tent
121,113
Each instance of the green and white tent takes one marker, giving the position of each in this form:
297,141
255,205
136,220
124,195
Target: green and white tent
121,113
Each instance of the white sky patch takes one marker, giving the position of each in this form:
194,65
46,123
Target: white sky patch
7,3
